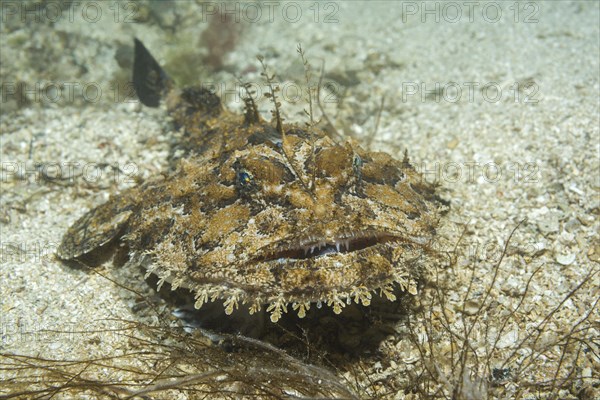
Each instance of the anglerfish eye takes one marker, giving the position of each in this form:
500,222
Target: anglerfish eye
357,163
244,179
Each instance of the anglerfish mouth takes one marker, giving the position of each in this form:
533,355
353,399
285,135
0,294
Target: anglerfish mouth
318,248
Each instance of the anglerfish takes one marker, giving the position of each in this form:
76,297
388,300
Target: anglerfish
265,213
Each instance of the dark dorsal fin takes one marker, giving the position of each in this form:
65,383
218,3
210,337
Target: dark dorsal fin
149,80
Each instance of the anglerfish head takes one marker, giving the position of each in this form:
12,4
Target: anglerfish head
294,222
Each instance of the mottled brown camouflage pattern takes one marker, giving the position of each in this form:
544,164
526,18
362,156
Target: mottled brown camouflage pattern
256,217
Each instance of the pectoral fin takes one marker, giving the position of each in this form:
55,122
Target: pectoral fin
96,228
